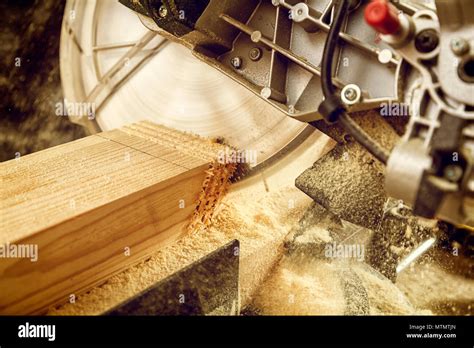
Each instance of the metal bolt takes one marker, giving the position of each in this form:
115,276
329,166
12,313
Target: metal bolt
453,173
163,11
350,94
255,54
385,56
426,41
256,36
236,62
459,46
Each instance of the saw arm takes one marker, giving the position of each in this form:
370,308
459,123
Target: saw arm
387,56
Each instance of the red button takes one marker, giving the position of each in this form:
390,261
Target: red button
382,16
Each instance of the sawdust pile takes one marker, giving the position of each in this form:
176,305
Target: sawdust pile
307,288
317,287
260,224
314,234
385,298
428,284
308,282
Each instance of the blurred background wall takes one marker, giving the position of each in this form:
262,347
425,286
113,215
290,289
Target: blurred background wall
29,37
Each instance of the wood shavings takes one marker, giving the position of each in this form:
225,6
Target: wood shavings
260,223
215,186
431,285
220,173
306,288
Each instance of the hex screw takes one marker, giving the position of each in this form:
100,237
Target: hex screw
350,94
459,46
255,54
426,41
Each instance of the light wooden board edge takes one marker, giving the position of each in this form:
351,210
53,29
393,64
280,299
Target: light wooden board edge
83,250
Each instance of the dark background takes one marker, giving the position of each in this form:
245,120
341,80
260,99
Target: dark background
30,30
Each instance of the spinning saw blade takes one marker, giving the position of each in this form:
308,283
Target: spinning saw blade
127,74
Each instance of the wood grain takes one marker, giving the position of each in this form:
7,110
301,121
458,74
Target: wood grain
84,203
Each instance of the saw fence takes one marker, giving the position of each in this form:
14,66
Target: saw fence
98,205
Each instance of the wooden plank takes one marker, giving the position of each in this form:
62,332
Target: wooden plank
98,205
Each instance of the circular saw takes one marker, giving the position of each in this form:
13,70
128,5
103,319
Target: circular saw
112,62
